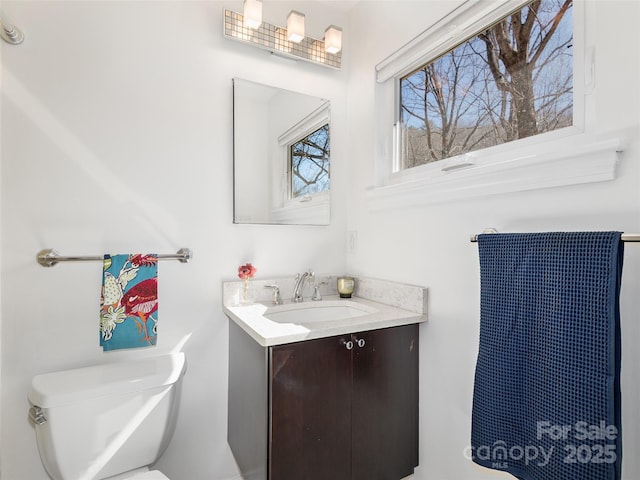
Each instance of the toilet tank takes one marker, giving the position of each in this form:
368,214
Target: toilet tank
99,421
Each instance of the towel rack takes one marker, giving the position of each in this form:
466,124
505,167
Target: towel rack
49,257
625,237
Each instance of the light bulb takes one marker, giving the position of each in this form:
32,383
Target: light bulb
333,39
252,13
295,26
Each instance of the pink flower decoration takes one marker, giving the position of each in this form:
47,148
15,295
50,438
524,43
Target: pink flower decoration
246,271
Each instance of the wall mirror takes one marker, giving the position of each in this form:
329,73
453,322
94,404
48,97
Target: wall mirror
281,156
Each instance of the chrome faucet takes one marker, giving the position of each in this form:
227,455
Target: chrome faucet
298,289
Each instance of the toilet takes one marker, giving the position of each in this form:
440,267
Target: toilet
107,421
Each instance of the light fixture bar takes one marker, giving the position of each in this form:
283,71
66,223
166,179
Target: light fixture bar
275,39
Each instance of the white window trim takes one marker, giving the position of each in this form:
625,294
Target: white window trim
313,211
309,124
564,157
312,208
443,35
593,162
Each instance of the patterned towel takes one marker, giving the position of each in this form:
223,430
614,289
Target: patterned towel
546,401
129,301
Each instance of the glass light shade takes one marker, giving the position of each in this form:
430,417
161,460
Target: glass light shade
252,13
295,26
333,39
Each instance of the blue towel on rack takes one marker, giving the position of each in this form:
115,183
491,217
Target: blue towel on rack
129,301
546,400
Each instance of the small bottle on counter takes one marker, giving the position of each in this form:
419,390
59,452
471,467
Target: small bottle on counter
345,286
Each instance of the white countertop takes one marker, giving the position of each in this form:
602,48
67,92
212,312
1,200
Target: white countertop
251,318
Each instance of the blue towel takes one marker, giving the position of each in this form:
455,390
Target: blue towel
546,400
129,301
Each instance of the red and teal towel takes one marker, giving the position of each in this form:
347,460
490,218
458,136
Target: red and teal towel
129,301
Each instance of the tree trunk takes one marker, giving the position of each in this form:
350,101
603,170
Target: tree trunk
523,101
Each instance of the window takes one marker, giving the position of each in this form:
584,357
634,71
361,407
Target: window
510,81
309,163
462,139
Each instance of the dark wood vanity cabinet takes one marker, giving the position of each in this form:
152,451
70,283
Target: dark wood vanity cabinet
336,408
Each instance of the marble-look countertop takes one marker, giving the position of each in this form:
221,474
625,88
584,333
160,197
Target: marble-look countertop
395,304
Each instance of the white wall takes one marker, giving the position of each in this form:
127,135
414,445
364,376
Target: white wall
252,178
429,245
116,137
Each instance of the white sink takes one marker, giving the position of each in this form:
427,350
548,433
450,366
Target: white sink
321,311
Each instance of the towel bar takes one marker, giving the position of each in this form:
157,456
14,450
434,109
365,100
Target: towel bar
49,257
625,237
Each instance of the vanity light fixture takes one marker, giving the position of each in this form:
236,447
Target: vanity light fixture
290,42
295,26
333,39
252,13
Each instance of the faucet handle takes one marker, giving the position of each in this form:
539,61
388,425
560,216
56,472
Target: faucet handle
316,291
276,299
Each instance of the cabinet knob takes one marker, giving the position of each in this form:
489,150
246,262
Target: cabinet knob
348,344
360,342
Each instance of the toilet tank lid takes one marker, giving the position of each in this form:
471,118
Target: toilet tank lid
70,386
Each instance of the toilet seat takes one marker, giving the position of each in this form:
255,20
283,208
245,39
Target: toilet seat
152,475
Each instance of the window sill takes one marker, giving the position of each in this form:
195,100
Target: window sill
587,163
313,212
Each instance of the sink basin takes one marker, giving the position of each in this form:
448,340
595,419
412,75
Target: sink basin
321,311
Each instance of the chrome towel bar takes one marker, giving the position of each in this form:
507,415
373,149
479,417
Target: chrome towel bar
625,237
49,257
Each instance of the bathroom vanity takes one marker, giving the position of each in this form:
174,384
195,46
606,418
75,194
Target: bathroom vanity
325,398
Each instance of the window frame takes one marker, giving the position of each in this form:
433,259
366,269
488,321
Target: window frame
547,159
412,90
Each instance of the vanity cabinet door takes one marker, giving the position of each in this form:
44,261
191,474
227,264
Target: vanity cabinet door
346,407
385,403
310,411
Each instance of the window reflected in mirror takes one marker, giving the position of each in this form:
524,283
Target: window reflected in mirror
310,163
